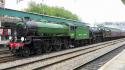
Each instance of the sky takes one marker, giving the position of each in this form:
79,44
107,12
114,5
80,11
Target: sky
90,11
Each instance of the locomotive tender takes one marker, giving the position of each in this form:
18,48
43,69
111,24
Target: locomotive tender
33,37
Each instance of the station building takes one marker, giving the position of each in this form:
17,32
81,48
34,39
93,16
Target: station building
2,5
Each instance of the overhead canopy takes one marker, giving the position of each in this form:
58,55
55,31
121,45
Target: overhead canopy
37,17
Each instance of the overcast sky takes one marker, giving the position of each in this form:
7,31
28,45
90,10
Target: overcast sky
87,10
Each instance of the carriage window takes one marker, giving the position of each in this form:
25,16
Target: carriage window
73,28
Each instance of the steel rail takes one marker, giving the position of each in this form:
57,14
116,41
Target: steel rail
60,54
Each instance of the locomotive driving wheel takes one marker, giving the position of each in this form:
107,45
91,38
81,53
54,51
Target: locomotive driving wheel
47,47
66,44
37,46
38,51
57,45
25,51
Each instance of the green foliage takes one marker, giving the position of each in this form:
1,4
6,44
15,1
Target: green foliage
51,11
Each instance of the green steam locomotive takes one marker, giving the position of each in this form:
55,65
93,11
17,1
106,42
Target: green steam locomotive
36,37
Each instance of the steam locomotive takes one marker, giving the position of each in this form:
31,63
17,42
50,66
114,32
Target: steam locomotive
31,37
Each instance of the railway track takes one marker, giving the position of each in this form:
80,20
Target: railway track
5,55
64,60
7,59
4,52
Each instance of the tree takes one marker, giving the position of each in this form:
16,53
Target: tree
51,11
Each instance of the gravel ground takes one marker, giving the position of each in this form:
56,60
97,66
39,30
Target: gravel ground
97,63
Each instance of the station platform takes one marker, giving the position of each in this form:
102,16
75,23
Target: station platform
3,43
117,63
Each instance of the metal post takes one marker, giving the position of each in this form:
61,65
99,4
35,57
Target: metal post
0,34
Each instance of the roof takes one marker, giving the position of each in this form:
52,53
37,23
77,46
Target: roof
38,17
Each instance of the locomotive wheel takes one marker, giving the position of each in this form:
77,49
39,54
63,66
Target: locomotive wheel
47,48
38,51
37,46
66,45
25,51
57,45
13,52
94,40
